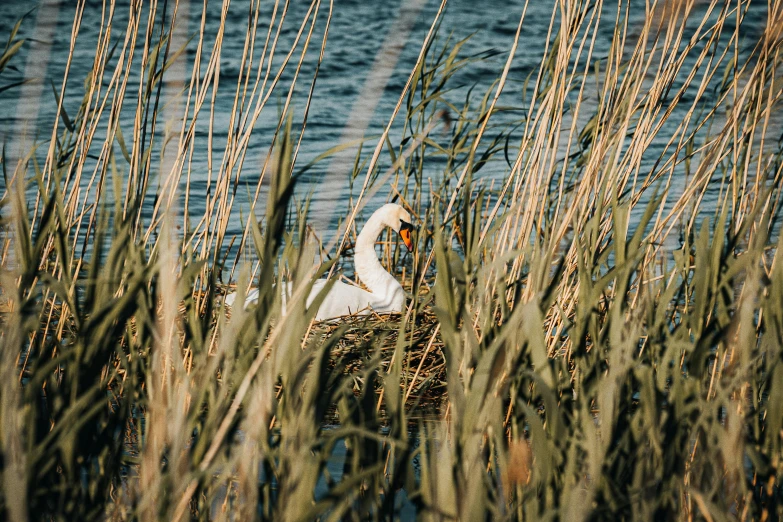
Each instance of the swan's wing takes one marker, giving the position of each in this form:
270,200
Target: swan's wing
252,297
343,299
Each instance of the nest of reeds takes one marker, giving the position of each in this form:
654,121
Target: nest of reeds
372,341
369,343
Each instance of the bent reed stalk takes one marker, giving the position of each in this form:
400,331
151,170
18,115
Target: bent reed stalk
595,319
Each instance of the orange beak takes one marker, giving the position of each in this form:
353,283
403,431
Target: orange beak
407,236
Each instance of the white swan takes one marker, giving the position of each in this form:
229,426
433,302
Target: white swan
385,292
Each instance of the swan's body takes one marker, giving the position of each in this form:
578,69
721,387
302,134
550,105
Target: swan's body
385,292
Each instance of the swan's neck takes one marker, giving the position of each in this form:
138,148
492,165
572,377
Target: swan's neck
368,268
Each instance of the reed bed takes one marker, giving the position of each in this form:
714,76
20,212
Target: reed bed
597,333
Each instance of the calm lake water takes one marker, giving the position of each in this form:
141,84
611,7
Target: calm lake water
343,105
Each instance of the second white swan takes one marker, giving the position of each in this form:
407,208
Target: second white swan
385,292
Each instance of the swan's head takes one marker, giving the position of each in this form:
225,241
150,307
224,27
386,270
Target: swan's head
400,221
